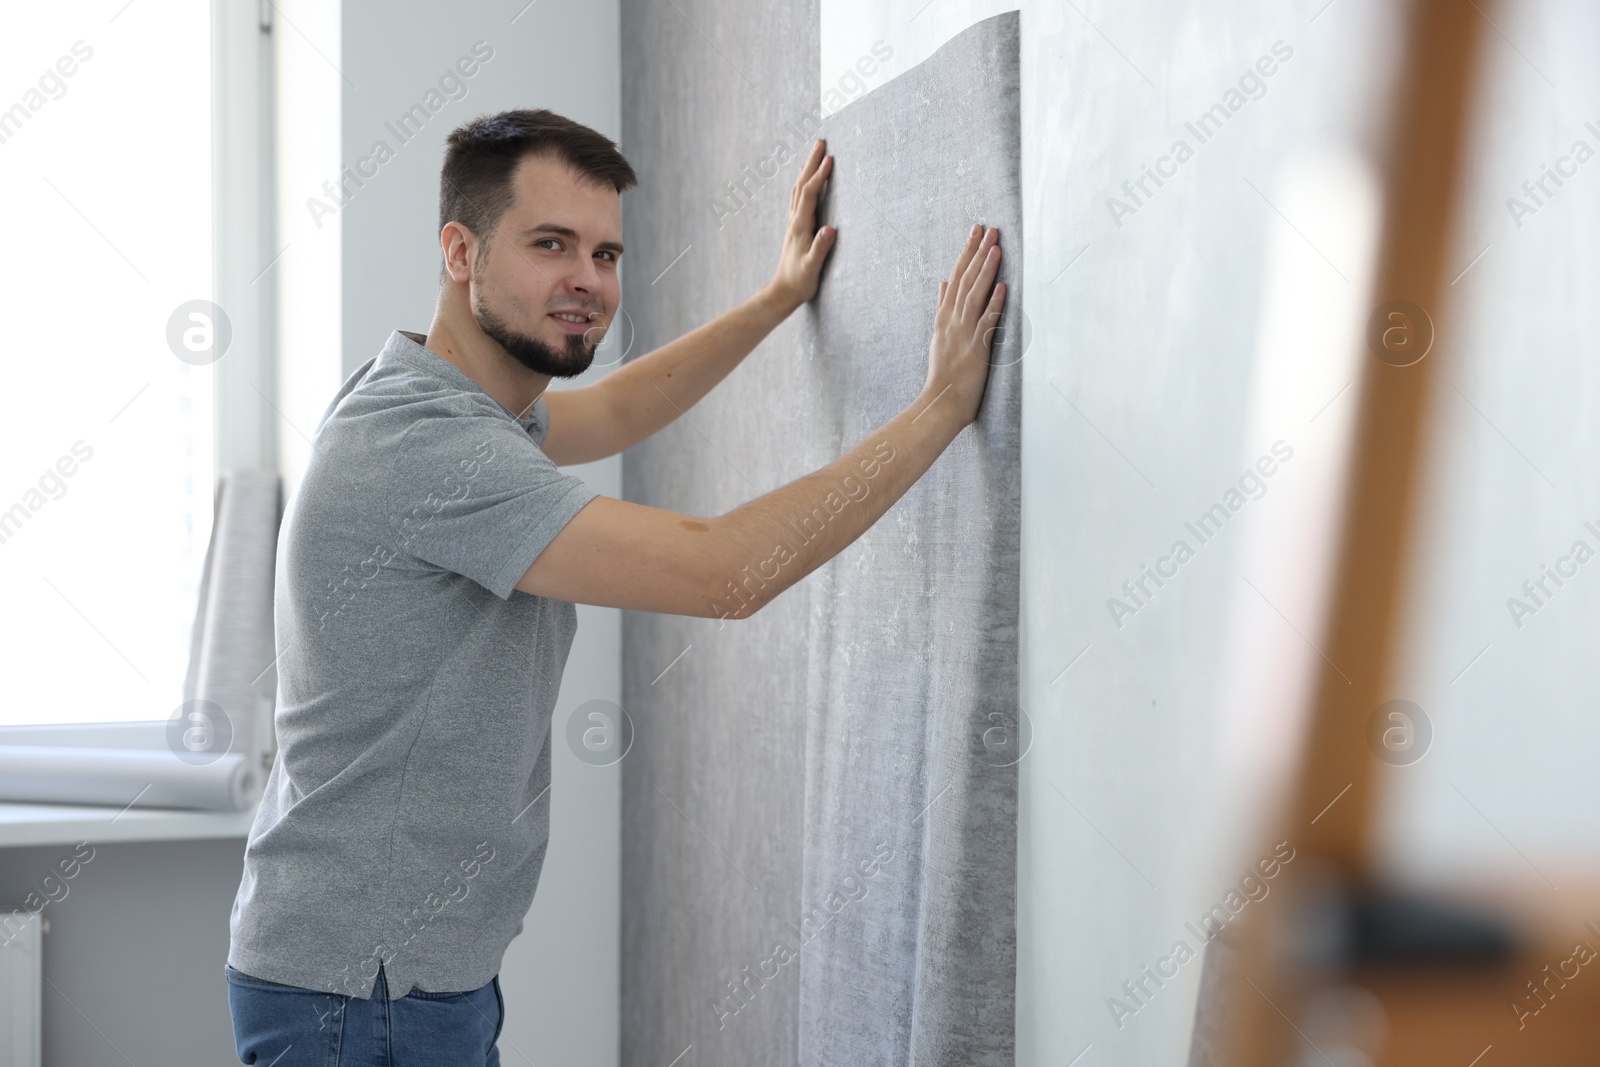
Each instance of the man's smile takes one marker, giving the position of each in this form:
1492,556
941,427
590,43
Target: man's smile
572,321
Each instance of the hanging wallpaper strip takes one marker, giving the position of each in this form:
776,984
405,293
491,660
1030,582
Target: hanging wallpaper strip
908,941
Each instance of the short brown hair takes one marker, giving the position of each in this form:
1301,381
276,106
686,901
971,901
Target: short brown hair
481,157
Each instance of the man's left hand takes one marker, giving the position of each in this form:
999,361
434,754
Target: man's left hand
804,246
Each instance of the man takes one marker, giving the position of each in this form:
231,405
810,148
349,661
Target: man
427,573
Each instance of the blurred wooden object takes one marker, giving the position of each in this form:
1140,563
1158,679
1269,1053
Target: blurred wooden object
1335,970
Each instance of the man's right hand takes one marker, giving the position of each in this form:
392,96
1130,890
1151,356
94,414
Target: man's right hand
624,555
964,322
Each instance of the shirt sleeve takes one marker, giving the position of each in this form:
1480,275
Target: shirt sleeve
474,495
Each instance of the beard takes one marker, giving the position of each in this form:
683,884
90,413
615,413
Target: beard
568,361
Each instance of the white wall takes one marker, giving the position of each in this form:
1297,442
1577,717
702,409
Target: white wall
1137,416
1157,373
560,977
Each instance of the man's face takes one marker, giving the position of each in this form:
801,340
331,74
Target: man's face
552,259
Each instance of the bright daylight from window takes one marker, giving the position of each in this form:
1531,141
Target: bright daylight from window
106,470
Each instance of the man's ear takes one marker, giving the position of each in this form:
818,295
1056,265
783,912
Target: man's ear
456,244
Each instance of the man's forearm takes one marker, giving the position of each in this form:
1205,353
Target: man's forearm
658,387
777,539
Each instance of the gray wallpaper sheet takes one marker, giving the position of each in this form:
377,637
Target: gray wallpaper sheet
911,697
712,788
819,805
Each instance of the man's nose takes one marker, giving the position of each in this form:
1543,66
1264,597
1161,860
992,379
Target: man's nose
585,280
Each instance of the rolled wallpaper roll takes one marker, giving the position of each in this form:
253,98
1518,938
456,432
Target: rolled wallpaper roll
209,755
231,656
151,778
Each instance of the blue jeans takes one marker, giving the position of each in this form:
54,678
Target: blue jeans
286,1026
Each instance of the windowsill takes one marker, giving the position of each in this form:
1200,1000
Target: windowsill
67,824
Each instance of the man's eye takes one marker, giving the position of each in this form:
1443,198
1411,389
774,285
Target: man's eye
613,255
548,240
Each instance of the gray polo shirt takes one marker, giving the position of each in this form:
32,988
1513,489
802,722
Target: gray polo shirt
406,816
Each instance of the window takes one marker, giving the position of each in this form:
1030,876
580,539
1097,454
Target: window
107,437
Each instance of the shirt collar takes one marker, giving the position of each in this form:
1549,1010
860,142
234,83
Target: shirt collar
408,348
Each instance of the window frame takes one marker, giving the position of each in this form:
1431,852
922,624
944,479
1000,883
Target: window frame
244,284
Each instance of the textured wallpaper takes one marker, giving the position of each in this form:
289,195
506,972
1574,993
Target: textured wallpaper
819,806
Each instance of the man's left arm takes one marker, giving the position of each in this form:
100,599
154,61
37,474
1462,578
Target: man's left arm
642,396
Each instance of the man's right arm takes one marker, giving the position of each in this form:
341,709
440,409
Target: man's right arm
623,555
614,553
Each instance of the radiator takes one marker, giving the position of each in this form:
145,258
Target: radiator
20,980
